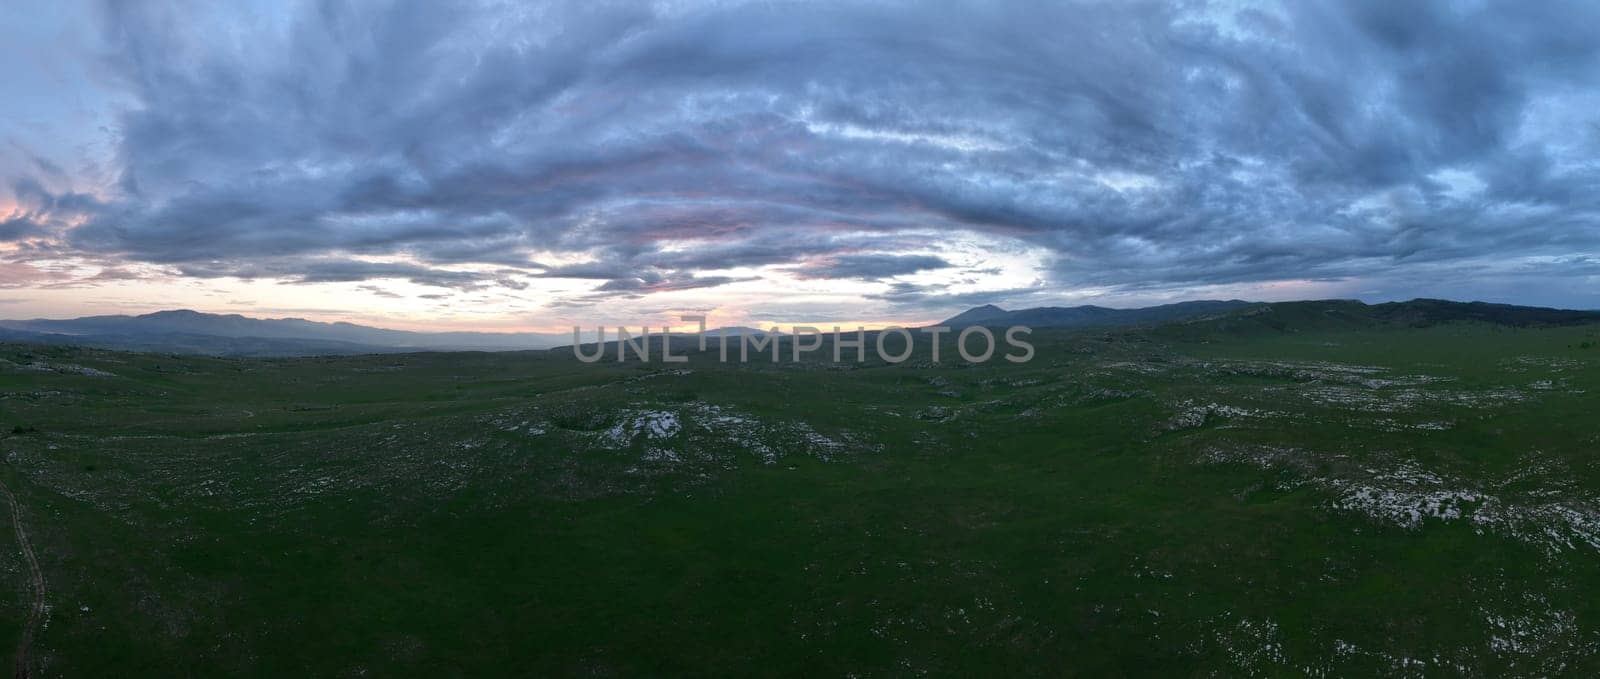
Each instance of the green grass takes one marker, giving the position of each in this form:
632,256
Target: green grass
400,515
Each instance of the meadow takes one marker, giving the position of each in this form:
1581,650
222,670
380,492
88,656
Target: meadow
1240,498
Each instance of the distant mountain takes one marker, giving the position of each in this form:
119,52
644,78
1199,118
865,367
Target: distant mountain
978,315
1431,311
1090,316
738,331
201,333
191,332
1342,314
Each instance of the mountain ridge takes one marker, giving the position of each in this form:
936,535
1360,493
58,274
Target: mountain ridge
111,330
1090,315
186,331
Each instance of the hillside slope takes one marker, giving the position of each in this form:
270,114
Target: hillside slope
204,333
1089,315
1351,315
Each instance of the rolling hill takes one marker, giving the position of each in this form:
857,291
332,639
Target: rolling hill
1091,316
1349,315
193,332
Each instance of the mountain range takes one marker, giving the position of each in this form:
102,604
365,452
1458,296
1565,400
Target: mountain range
192,332
1089,315
187,331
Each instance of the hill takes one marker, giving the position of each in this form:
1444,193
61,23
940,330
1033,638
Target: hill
1089,315
737,331
1349,315
193,332
186,331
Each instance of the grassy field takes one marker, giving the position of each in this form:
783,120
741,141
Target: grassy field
1195,499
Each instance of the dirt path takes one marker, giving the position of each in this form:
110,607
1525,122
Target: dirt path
25,643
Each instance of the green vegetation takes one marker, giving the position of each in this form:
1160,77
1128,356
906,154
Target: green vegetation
1306,493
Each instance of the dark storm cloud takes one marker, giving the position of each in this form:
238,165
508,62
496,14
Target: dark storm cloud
1141,145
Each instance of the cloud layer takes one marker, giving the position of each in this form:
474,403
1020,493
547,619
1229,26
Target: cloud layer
639,150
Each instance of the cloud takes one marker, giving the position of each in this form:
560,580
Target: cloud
327,270
19,227
903,295
869,267
26,276
1135,146
653,282
377,291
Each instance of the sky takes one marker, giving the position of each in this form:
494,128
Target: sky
509,165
